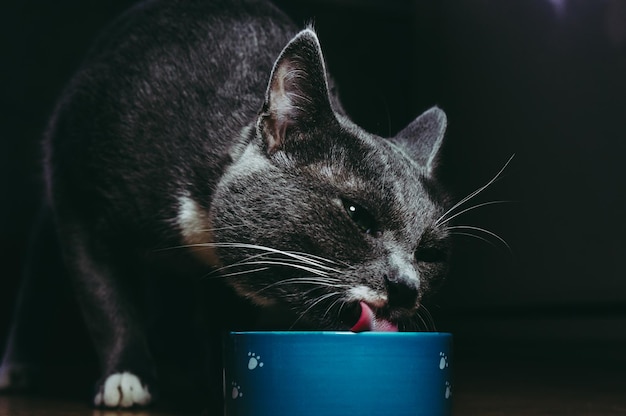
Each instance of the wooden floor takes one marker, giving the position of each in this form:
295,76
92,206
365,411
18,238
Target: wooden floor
485,385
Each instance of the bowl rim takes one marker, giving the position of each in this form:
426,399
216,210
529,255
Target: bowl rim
341,333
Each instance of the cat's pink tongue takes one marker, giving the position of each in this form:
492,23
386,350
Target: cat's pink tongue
368,322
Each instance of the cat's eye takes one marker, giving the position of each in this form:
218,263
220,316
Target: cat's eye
431,255
362,218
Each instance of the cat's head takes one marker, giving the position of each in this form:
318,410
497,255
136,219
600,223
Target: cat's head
322,219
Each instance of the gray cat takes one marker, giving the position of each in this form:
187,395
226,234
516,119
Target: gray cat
202,141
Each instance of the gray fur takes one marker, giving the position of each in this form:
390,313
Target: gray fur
199,138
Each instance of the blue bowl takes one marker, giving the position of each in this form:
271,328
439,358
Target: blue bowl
337,373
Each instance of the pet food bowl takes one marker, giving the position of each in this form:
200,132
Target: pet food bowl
337,373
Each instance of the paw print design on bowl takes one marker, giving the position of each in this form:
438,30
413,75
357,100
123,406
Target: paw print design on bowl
254,361
443,361
236,392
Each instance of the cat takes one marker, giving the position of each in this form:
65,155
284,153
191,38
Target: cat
203,141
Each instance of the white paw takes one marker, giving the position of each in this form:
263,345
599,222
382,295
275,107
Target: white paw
122,390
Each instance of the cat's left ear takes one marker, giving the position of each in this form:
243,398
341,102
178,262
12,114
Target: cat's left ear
297,98
423,138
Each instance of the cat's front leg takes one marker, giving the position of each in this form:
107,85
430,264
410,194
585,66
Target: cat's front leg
104,285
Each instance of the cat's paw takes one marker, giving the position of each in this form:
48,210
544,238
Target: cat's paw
122,390
14,377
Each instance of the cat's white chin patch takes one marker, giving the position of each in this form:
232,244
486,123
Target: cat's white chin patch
122,390
364,293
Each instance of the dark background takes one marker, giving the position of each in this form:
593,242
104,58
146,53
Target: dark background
542,80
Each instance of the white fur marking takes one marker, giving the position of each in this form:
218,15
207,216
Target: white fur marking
122,390
252,161
249,163
368,295
326,171
404,266
191,219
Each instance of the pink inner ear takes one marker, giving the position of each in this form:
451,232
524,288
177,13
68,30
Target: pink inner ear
275,131
282,108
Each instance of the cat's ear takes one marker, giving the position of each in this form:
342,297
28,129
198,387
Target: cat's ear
423,138
297,96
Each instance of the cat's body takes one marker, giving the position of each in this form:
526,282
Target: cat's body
194,142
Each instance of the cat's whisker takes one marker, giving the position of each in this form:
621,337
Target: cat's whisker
427,318
341,308
481,230
474,236
313,304
223,276
306,258
314,269
473,207
331,307
320,259
443,218
295,255
314,262
243,262
226,227
239,263
281,263
302,280
261,256
424,325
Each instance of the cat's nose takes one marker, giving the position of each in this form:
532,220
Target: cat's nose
402,290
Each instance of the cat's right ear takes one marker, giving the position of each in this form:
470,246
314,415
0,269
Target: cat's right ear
297,98
422,138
